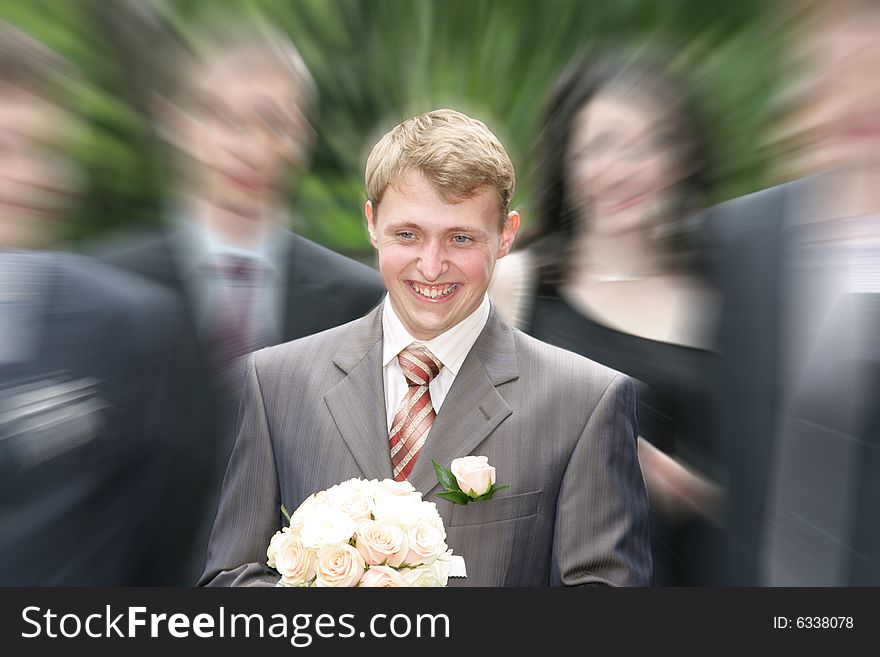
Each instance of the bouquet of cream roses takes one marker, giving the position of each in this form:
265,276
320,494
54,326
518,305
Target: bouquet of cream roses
362,533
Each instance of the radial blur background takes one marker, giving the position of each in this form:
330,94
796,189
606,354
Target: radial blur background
378,61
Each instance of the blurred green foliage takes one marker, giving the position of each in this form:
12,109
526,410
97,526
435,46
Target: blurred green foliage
379,61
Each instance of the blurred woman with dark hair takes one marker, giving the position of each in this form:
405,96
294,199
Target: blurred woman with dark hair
611,270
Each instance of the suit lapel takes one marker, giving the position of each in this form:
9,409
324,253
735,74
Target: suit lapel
171,264
304,287
473,408
298,291
357,403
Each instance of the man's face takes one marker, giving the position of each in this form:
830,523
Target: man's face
242,129
836,120
436,258
37,182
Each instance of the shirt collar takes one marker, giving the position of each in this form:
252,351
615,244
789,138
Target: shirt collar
203,248
451,347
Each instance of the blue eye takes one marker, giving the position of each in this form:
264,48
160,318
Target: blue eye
461,239
405,235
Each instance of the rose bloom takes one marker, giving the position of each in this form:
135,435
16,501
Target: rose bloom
474,474
382,577
294,561
391,487
355,498
426,543
316,501
339,565
274,546
381,542
437,574
313,506
428,513
404,510
327,527
421,577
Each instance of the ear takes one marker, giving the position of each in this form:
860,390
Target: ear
508,233
371,223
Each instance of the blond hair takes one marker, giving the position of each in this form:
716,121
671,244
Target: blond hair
459,156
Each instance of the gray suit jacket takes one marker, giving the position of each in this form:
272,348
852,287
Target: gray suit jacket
559,429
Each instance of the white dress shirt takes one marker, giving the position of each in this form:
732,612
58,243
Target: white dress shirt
25,280
451,348
201,252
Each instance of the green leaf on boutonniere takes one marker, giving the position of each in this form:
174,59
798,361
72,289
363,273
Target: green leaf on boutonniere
489,493
286,514
455,496
447,479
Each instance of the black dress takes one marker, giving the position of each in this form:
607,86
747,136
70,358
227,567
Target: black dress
675,392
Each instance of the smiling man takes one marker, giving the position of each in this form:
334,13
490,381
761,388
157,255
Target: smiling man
436,273
435,374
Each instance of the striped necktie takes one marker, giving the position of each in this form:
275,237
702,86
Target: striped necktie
236,329
416,413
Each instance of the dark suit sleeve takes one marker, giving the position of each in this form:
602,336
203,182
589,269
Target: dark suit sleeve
602,534
249,511
162,420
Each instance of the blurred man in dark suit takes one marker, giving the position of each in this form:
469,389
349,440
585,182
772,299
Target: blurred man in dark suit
90,402
237,120
799,265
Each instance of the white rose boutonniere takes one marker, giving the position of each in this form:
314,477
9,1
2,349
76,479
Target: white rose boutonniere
469,479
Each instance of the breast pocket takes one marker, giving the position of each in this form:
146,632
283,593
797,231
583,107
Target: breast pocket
509,507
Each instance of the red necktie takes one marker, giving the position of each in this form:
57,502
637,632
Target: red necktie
416,413
235,331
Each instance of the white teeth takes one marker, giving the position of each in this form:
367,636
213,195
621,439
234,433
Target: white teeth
433,293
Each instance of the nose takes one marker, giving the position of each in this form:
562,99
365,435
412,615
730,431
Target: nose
432,261
246,149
